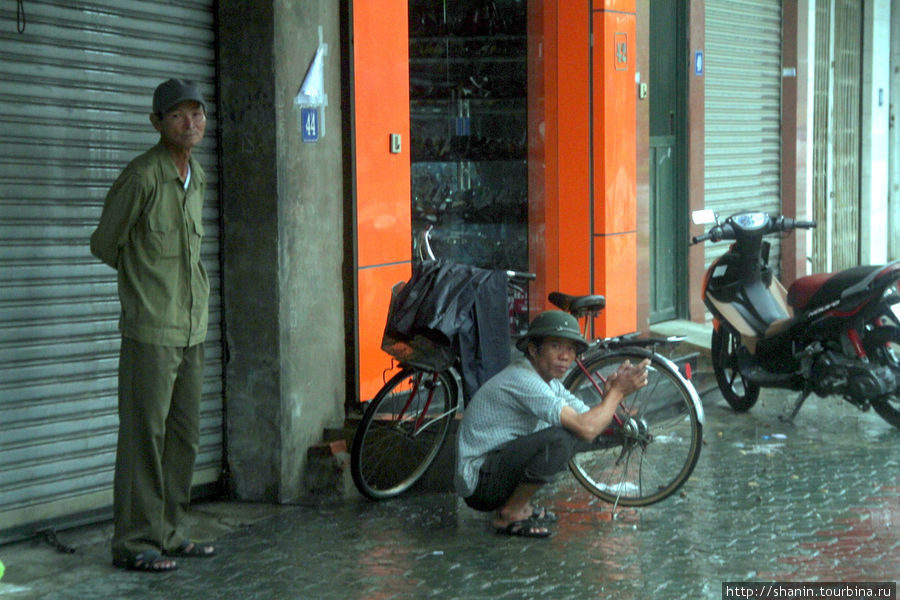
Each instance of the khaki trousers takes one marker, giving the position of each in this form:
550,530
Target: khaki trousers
159,432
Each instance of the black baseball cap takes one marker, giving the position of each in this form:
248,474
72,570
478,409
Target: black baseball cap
169,93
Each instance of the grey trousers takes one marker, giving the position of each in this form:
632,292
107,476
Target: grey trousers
535,459
159,431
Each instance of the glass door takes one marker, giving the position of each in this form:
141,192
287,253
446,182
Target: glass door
468,123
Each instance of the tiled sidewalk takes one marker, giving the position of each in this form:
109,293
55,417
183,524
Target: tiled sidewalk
817,500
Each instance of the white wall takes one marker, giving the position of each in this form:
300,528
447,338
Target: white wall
810,95
875,132
894,141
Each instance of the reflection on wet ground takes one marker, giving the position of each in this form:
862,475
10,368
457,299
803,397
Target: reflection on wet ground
816,500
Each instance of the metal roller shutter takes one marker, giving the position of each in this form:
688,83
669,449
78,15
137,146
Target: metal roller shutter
74,104
743,110
837,134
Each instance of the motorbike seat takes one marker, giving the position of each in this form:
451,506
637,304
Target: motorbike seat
820,289
803,289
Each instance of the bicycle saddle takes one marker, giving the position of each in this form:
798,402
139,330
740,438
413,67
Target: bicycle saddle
577,306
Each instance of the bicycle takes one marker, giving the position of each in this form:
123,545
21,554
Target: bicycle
647,453
404,426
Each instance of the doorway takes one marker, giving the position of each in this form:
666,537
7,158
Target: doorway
667,161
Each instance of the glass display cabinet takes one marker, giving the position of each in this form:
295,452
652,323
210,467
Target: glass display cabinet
468,124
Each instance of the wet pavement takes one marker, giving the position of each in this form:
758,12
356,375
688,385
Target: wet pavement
816,500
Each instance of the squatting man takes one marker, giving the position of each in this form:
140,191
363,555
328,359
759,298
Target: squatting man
522,426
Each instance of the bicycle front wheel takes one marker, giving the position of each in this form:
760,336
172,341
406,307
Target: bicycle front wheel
402,432
740,394
655,450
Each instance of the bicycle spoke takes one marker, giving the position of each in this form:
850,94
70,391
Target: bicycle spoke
401,433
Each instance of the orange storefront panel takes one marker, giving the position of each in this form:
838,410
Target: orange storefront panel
381,107
374,364
581,154
382,178
615,124
560,140
585,209
574,149
615,267
615,166
627,6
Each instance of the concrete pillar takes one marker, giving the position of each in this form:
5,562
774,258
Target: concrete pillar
283,242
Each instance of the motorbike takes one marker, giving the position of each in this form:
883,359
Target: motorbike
832,334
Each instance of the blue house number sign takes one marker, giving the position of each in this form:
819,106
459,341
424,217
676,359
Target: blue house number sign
309,124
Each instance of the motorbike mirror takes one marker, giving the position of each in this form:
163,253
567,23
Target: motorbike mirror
703,217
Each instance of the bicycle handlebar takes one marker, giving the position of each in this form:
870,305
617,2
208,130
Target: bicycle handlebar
426,253
521,275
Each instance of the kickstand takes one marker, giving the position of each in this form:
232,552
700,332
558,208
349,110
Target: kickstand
790,418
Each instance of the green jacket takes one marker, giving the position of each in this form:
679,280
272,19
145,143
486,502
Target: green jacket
150,232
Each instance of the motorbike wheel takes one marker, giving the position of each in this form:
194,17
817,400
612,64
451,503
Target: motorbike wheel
882,344
740,394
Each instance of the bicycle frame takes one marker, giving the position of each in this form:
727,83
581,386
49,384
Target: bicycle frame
599,387
418,428
609,344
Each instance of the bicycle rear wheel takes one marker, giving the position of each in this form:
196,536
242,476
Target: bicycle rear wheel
648,458
402,432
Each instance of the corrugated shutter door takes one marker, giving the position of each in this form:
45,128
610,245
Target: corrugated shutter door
743,110
74,105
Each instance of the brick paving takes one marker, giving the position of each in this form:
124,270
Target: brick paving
864,547
816,500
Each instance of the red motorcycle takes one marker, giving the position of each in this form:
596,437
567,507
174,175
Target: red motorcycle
828,334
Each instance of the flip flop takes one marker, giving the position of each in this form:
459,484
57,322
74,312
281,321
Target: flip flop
524,528
148,561
189,549
541,514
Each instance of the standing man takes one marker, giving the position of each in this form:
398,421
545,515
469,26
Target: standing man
522,427
150,232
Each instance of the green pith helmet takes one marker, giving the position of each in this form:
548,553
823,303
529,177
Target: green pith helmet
554,323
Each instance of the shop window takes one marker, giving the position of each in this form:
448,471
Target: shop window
468,123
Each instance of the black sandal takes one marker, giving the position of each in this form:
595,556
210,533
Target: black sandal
525,528
148,561
541,514
189,549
